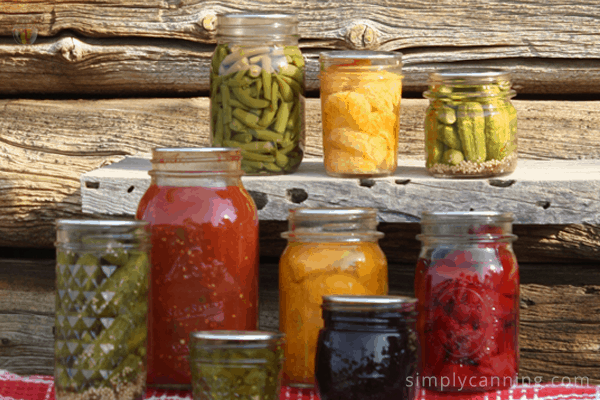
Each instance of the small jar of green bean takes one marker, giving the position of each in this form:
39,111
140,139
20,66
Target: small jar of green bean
244,365
257,91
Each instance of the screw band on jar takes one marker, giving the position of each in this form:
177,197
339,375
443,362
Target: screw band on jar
470,124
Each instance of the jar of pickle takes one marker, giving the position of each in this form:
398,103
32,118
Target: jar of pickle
467,286
329,251
101,309
470,124
257,91
236,364
367,349
360,104
204,275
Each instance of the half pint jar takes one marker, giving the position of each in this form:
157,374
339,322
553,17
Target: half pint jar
367,349
257,91
470,124
101,309
360,103
236,364
204,275
329,251
467,286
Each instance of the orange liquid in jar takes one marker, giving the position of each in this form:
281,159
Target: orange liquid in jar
309,271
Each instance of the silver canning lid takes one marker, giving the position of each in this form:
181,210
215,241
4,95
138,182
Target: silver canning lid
225,337
469,75
369,303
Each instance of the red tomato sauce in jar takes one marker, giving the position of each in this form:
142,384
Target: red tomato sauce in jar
204,272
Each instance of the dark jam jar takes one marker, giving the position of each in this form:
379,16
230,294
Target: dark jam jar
467,284
368,348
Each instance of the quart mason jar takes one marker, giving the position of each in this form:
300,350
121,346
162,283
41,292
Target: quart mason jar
467,285
204,275
367,349
236,364
360,102
329,251
257,91
470,124
101,309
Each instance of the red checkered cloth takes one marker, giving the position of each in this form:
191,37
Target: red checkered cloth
37,387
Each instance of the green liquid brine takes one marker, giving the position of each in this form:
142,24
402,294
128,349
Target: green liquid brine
257,92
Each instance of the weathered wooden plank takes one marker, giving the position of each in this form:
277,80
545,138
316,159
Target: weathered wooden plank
537,28
42,154
538,192
559,330
69,64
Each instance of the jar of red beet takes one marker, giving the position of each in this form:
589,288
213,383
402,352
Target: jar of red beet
204,274
467,286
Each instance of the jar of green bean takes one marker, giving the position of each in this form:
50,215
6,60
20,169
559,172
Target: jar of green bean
257,91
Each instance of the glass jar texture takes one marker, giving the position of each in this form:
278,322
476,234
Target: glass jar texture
367,348
360,103
204,275
467,285
257,91
470,124
236,364
329,251
101,309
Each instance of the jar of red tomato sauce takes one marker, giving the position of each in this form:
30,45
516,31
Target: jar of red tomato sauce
467,286
204,274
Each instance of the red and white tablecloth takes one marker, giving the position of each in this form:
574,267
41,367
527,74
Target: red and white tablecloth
38,387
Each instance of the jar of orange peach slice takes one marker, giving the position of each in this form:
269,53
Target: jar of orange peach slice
330,252
360,104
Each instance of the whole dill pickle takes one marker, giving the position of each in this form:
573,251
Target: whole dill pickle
471,130
497,129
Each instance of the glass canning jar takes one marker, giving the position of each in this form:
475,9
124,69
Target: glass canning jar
467,285
367,348
470,124
257,91
329,251
101,309
236,364
360,104
204,275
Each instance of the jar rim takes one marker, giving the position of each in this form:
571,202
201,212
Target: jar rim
465,216
80,223
332,213
383,302
477,73
230,336
234,19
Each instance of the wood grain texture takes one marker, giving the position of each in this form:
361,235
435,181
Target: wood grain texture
68,64
559,330
45,146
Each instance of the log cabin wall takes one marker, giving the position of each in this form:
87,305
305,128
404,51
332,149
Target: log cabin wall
108,79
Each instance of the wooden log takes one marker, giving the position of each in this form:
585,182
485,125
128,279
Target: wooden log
559,332
68,64
43,155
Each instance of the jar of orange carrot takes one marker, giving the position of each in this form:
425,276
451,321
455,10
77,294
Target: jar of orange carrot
330,251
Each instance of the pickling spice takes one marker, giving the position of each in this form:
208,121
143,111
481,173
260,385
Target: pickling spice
204,230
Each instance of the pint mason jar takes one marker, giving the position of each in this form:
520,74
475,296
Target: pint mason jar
329,251
101,309
257,91
204,274
360,104
368,348
467,286
236,364
470,124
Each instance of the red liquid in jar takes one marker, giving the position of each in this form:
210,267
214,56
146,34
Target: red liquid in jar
204,272
468,317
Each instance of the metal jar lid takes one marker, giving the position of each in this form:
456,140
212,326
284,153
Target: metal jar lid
369,303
